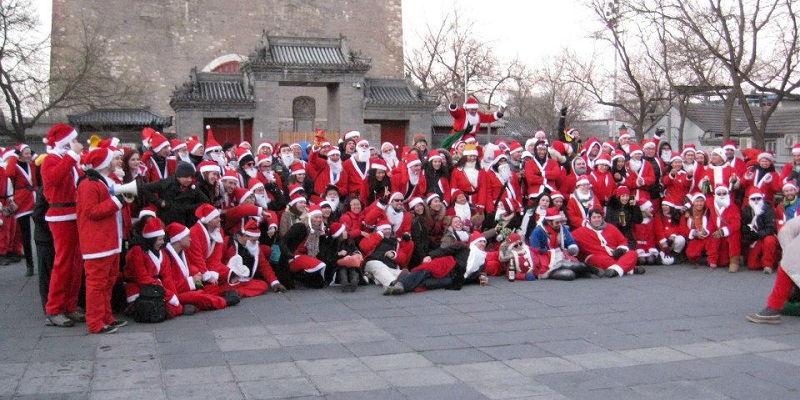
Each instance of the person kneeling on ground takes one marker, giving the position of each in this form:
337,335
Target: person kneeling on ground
789,239
554,250
602,245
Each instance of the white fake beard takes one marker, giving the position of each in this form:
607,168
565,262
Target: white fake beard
219,158
334,202
580,171
758,208
262,200
636,165
63,149
689,168
362,155
395,217
120,173
463,211
216,235
185,157
477,257
252,248
251,172
270,175
722,201
504,172
469,164
583,197
287,159
413,178
666,156
336,167
391,157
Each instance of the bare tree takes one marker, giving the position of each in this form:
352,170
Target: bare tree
86,79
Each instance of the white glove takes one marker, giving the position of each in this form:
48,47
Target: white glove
237,266
174,301
666,259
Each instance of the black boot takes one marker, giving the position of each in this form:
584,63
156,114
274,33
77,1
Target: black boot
341,279
355,277
29,270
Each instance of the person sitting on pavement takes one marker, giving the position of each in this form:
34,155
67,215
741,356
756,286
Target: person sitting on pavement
603,246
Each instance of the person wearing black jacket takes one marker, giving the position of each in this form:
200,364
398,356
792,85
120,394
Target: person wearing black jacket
45,250
759,232
623,213
176,197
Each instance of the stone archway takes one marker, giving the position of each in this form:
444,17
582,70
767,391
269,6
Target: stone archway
304,112
229,63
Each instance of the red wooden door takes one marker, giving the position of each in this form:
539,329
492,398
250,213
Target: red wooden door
393,132
228,130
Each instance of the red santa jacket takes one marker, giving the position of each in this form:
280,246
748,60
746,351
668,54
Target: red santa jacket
25,184
326,178
697,223
577,211
401,182
155,174
261,267
492,187
146,268
719,175
59,177
728,220
787,170
205,255
591,241
99,219
768,183
353,224
676,188
648,234
603,186
539,176
274,178
355,176
403,250
461,118
669,228
179,270
645,179
235,216
460,180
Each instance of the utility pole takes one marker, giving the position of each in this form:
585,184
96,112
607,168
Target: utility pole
612,16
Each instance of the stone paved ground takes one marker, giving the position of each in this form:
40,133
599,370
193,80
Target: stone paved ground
674,333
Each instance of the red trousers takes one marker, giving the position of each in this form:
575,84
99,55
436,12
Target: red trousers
251,288
101,274
729,247
604,261
763,253
8,236
65,279
493,265
696,247
781,290
202,300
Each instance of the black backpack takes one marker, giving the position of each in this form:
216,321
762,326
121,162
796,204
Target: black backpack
150,306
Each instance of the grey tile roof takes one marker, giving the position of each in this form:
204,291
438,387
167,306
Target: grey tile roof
307,55
709,117
209,87
393,92
307,52
119,117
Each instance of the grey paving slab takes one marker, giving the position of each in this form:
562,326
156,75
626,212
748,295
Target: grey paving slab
258,372
392,362
678,390
513,351
193,359
10,376
542,365
420,376
456,391
333,366
278,388
150,393
523,387
383,394
456,356
318,351
375,348
221,391
349,382
266,356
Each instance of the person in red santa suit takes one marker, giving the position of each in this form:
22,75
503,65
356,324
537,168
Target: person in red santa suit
146,264
764,178
728,219
188,288
603,184
695,171
791,170
467,175
409,180
377,185
437,175
645,176
674,232
499,183
603,246
246,166
60,175
10,242
230,181
266,175
785,281
208,242
580,202
591,151
357,168
759,232
676,182
552,244
718,173
734,161
468,115
21,171
160,164
566,184
99,222
332,174
389,156
700,225
541,172
623,175
648,234
397,215
244,251
787,208
305,266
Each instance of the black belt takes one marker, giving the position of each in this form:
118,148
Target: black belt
24,187
62,205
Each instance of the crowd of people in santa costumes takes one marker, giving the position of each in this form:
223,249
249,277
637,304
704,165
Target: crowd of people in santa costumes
213,223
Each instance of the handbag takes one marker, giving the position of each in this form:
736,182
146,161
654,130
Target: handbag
150,306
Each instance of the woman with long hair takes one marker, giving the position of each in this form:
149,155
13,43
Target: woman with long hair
421,223
377,185
437,174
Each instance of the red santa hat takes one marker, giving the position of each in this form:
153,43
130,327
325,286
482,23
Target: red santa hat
470,138
635,148
263,145
648,143
471,104
60,134
241,194
688,148
209,166
153,228
514,238
383,223
99,159
296,198
246,145
147,134
499,155
582,180
553,214
241,155
176,232
623,132
766,154
501,143
230,174
617,154
8,152
158,142
622,190
721,186
789,183
250,229
527,154
378,163
753,191
20,147
645,205
435,155
610,144
514,147
351,135
603,160
720,152
470,150
730,144
675,156
177,144
206,212
334,151
796,148
297,168
147,211
361,140
254,185
431,197
556,194
696,195
455,192
263,158
414,201
396,195
273,219
420,138
193,144
211,143
476,237
295,188
412,159
337,229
